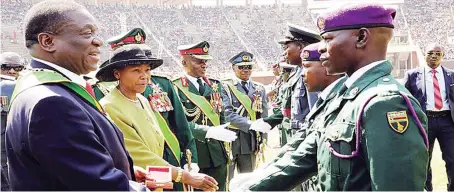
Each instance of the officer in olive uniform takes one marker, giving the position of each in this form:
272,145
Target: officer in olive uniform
11,64
295,102
244,100
202,104
166,106
372,134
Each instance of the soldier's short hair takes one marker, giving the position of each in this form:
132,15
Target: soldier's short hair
47,16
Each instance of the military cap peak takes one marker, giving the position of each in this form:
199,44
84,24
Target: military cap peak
134,36
242,58
299,33
198,50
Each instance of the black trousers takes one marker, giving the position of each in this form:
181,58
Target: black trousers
244,162
441,127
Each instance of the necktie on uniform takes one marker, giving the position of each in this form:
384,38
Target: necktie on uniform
437,93
201,86
244,84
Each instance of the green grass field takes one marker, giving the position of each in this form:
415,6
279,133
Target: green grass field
439,179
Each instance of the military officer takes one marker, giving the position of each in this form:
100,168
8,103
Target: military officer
166,107
202,104
316,80
11,64
296,101
244,100
363,138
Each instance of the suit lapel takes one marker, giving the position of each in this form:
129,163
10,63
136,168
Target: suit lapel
422,74
208,90
448,81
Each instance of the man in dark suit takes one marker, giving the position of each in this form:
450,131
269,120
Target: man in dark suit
433,86
57,137
244,101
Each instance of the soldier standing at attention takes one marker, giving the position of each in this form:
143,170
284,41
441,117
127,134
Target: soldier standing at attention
367,129
295,102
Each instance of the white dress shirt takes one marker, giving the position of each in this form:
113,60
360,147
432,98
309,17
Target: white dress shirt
430,104
193,80
248,82
72,76
360,72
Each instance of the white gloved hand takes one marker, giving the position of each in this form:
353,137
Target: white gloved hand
260,126
221,133
194,168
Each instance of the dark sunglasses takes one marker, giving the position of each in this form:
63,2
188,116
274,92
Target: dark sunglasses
437,53
7,67
245,67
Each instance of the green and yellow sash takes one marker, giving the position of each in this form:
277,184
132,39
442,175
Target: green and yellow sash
44,76
170,138
201,103
244,100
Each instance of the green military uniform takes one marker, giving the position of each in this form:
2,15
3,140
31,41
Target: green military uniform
295,102
166,106
201,110
381,157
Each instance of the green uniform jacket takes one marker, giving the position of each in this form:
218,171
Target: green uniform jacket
283,100
176,119
387,160
211,153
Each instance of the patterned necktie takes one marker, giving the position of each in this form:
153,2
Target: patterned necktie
437,93
90,89
244,84
201,86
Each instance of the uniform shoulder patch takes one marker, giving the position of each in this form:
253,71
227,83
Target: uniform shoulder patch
398,120
161,75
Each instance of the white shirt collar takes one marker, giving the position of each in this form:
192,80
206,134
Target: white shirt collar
72,76
7,77
324,94
429,70
358,73
193,80
239,80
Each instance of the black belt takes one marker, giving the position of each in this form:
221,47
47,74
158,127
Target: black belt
438,113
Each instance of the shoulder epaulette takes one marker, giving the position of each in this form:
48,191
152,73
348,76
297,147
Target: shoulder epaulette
161,75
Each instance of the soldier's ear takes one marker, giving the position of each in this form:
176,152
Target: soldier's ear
183,62
362,37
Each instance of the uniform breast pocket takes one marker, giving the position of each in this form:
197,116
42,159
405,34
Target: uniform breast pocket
340,143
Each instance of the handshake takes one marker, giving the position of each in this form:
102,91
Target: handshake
221,132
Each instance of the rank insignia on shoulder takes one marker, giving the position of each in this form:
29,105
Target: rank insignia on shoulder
398,120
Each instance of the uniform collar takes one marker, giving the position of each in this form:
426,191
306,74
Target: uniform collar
193,80
324,94
360,72
238,80
72,76
367,77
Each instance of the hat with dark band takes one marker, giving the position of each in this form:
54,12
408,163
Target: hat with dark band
198,50
298,33
132,54
134,36
356,16
310,53
242,58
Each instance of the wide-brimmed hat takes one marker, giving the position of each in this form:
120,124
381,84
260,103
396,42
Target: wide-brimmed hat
132,54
